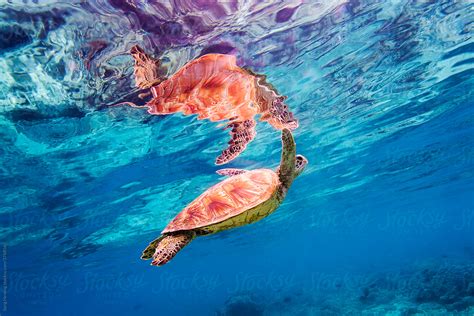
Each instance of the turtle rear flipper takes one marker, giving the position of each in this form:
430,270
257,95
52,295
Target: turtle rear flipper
150,249
242,133
167,246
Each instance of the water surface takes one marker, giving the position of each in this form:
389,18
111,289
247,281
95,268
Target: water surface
381,221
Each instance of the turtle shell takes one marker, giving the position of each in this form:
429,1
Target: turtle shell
212,86
227,199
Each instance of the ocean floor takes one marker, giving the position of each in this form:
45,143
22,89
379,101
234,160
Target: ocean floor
441,287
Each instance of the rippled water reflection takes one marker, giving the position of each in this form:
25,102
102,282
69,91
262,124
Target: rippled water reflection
382,89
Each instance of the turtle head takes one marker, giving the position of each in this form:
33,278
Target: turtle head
280,117
300,164
272,105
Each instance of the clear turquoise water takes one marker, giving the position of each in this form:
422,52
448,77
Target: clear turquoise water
380,223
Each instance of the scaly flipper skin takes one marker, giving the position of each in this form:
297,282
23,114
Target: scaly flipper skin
147,70
230,172
241,134
150,250
168,246
286,170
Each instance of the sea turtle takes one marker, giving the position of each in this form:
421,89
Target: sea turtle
215,88
243,198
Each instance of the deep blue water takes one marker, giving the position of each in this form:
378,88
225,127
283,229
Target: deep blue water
380,223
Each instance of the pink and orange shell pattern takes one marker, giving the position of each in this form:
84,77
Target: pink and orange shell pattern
215,88
212,86
226,199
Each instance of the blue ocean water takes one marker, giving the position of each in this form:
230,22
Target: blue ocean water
380,223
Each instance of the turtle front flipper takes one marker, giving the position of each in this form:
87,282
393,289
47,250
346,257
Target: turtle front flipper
241,134
286,170
148,71
167,246
230,172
